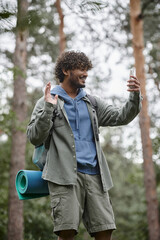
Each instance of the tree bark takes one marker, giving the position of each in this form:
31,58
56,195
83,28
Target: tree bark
144,121
15,207
62,41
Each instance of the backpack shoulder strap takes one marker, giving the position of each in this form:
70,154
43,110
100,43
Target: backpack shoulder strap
92,100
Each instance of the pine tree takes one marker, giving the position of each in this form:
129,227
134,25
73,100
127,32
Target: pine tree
17,162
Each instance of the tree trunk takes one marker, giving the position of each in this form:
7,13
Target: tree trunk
62,40
144,121
15,208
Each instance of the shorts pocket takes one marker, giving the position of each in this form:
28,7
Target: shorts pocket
56,190
56,210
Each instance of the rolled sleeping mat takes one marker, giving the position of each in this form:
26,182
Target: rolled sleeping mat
30,184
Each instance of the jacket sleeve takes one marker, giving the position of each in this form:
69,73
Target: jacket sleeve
109,115
41,122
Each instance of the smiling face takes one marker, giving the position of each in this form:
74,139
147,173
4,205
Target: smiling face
77,78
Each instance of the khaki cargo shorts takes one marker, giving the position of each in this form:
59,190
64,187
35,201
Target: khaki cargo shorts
85,201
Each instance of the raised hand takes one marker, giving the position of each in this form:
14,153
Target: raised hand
47,95
133,84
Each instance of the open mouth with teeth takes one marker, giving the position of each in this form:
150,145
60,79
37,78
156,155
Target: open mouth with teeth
83,78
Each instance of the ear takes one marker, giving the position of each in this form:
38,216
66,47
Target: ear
66,72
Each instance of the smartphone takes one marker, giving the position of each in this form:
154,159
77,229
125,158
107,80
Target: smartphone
132,73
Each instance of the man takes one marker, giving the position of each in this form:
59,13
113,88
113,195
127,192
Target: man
76,170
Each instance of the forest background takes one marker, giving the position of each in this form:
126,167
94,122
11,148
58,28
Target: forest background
102,30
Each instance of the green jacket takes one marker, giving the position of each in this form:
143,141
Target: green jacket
61,164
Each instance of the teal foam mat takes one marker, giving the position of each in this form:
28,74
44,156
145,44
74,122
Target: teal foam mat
29,185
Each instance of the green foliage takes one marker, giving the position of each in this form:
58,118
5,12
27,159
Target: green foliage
156,146
127,195
150,14
92,6
38,222
151,17
4,176
6,121
43,29
7,13
87,5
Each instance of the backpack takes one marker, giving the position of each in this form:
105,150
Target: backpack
40,152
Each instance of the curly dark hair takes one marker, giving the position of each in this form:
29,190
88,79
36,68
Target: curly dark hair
71,60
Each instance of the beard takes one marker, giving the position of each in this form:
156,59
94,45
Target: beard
77,81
